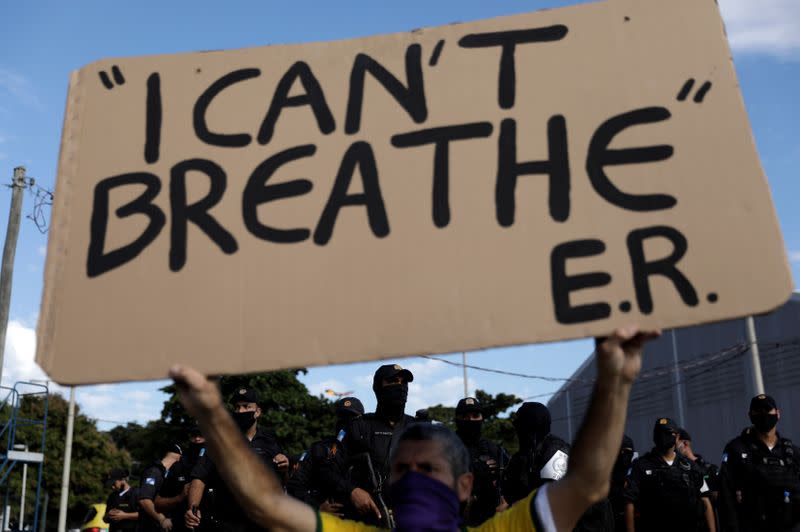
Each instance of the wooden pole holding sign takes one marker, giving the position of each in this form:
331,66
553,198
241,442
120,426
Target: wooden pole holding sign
533,178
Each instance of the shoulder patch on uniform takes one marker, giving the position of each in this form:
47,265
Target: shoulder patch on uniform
648,471
556,467
724,457
303,456
242,391
341,435
635,456
202,452
150,481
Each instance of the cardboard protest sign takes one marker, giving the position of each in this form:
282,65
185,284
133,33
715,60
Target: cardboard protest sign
523,179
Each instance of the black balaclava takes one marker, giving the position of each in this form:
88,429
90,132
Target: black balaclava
469,430
532,424
391,401
664,435
624,459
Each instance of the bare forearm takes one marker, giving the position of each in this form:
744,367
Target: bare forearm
710,521
164,504
629,518
150,509
196,489
599,438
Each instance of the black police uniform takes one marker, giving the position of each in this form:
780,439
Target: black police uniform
149,485
174,481
127,502
226,514
374,435
759,487
547,462
486,488
666,497
619,475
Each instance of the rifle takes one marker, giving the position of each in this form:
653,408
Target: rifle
377,488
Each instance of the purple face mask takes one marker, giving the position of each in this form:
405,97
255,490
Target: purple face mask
423,503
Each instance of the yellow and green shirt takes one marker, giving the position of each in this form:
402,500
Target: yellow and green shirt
529,514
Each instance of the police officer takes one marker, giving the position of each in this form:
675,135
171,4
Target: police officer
150,519
627,454
371,437
710,471
171,499
543,457
122,510
760,475
227,515
487,462
665,489
326,465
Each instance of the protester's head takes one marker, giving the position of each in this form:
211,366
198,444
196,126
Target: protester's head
117,479
532,423
665,434
390,385
347,409
245,408
764,413
423,416
469,419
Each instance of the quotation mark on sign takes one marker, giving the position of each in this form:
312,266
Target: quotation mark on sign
699,95
119,79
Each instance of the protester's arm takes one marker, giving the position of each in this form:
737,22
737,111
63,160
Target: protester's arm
619,360
255,488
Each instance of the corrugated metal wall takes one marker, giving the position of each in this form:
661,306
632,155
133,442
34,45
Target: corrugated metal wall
697,376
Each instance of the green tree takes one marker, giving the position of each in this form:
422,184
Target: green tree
297,417
495,428
93,455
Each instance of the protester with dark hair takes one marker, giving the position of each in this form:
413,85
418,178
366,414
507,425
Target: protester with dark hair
760,475
429,470
542,458
487,461
150,519
122,510
369,440
665,490
619,475
226,513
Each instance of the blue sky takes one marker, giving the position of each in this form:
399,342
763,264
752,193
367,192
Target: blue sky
42,42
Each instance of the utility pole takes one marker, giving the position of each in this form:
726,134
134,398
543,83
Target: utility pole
18,185
464,365
62,509
756,380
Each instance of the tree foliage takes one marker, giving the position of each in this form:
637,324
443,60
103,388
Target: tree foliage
93,455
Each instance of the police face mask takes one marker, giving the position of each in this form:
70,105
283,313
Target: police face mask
423,503
392,400
763,422
469,429
244,420
664,440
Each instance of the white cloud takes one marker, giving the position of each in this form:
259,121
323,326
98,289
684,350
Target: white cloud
766,26
430,391
20,88
112,402
794,256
